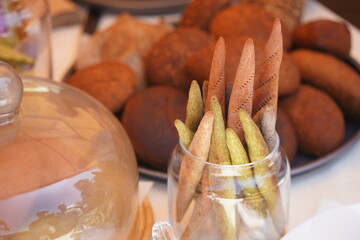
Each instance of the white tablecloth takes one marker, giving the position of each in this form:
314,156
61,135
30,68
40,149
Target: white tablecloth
338,180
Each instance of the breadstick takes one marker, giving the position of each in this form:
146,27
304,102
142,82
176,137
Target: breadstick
242,91
217,76
185,134
264,172
224,187
191,169
228,90
219,153
245,178
266,123
266,85
194,107
204,89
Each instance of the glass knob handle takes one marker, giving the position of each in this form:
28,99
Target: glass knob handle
163,231
11,93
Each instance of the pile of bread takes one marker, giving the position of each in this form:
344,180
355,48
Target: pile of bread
142,72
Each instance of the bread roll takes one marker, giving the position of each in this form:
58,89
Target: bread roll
246,19
287,134
165,62
128,40
324,35
331,75
198,13
148,119
111,83
318,121
289,12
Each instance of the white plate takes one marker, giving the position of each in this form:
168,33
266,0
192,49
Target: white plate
340,223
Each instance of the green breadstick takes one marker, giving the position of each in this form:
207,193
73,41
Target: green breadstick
267,183
236,149
245,178
194,107
185,134
256,144
223,186
13,57
219,152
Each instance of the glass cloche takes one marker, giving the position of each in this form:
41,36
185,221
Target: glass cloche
67,167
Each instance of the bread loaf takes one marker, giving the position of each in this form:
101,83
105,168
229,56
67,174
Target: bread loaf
148,119
289,12
198,13
165,62
287,134
111,83
331,75
318,121
246,19
324,35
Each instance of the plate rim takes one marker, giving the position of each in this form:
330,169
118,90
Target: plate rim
139,6
318,162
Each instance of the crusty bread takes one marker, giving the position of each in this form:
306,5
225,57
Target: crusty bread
111,83
324,35
287,134
330,74
164,64
288,11
148,119
246,19
317,119
128,40
198,13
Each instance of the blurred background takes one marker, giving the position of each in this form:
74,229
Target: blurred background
348,9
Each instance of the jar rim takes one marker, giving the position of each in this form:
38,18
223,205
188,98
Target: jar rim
250,164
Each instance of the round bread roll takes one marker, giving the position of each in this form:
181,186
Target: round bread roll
127,40
287,134
324,35
288,11
246,19
164,64
289,76
199,63
318,121
332,75
111,83
198,13
149,117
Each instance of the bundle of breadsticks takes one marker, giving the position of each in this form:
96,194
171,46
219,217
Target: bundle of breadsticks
236,131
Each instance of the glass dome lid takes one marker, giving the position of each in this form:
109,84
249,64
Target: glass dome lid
67,167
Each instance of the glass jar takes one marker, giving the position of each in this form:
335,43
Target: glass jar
259,209
67,167
25,36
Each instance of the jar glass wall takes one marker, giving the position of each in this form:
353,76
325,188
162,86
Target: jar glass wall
258,210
